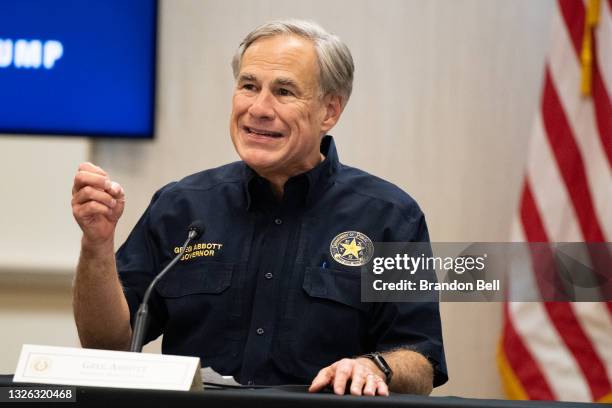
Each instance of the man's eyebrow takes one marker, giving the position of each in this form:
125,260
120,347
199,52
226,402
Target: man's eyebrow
288,82
281,81
284,81
247,77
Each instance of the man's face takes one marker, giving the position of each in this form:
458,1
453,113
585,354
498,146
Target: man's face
278,114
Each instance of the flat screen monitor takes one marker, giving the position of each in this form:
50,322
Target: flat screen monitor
78,67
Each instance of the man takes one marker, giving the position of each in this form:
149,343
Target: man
271,293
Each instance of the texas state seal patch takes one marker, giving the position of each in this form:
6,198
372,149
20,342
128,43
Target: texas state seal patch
351,248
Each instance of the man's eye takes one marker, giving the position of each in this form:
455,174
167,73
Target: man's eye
284,92
248,87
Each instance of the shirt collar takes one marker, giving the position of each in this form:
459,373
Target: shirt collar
301,189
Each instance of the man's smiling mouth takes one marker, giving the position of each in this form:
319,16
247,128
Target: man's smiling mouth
262,132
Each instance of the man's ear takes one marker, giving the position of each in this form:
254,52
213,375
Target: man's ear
333,109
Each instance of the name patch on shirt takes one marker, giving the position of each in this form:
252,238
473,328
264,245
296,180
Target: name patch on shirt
351,248
199,250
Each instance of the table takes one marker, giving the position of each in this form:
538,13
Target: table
294,397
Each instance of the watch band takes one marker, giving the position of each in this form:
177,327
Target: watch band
382,364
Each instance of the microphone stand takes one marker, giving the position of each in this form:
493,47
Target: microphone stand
142,315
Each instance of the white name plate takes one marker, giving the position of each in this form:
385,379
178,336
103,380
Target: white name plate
104,368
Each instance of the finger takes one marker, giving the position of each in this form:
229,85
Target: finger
370,385
118,210
382,388
343,373
89,193
116,190
91,209
323,378
87,178
358,380
92,168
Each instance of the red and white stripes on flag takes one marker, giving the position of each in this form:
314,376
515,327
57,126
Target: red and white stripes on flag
555,350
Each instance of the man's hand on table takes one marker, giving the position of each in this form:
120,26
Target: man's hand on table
364,376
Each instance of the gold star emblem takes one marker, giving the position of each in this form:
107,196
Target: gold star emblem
352,249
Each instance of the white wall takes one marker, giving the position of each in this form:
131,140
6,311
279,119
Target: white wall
36,228
444,96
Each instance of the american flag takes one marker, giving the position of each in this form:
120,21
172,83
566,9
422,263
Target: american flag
556,350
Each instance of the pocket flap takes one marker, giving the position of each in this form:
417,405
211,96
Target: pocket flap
191,279
335,285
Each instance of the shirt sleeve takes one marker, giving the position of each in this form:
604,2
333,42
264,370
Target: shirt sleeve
137,265
411,325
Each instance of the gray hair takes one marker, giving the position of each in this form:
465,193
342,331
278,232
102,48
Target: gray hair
335,61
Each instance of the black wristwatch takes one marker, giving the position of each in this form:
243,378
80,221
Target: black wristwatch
381,363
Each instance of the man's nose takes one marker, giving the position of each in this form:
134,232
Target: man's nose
263,106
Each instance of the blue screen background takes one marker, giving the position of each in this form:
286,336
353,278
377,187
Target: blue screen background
103,85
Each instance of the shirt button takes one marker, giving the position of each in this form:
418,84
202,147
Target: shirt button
278,221
269,275
260,331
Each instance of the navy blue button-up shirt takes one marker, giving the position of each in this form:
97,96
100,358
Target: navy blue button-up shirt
259,296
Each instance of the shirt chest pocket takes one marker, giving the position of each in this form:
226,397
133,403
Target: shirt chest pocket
201,305
329,320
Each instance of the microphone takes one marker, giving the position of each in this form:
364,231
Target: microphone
195,231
